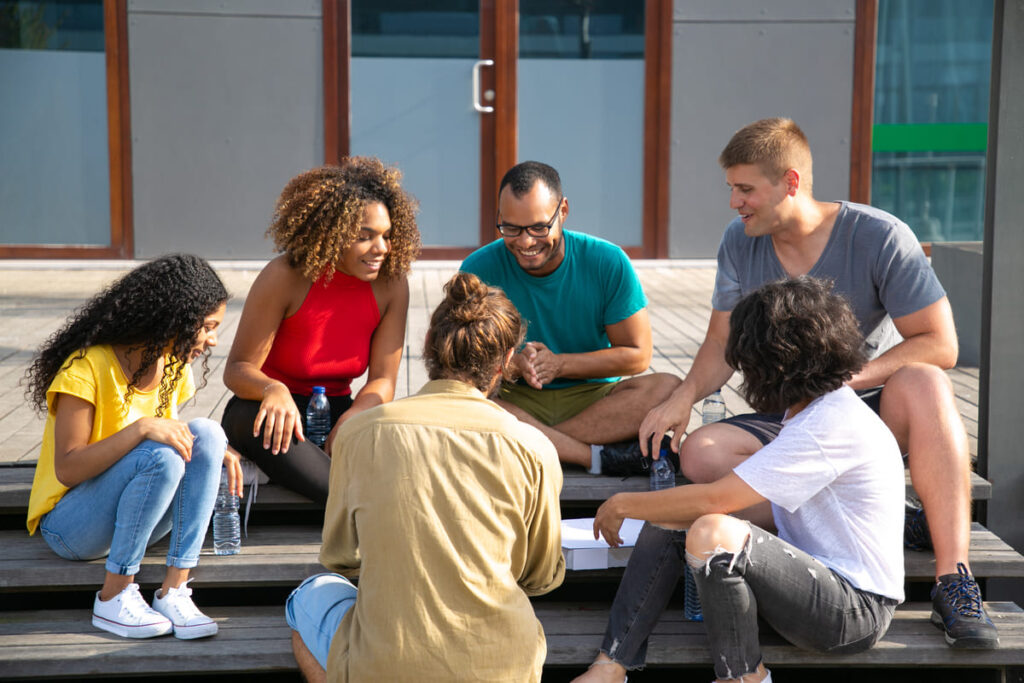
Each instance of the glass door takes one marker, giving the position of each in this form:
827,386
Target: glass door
454,92
418,101
581,108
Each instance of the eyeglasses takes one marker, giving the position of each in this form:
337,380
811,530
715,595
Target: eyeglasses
539,230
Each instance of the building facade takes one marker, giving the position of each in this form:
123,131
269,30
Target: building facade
132,128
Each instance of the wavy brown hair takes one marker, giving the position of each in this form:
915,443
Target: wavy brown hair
471,332
793,340
774,146
158,306
317,216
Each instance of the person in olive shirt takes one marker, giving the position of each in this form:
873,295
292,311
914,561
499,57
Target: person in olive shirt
448,507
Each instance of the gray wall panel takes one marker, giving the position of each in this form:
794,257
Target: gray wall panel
728,74
286,8
224,110
775,10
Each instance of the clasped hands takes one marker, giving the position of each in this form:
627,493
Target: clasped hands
537,364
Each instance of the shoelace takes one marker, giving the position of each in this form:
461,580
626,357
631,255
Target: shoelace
132,602
963,593
181,599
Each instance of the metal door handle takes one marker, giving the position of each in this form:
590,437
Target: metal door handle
476,86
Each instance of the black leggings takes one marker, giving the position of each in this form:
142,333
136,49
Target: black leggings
304,468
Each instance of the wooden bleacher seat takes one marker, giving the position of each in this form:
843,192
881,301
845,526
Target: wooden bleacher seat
63,643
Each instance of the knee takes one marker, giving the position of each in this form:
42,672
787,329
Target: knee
698,458
210,440
662,385
918,381
165,462
715,533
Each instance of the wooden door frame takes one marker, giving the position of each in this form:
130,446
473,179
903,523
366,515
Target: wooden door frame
499,41
119,150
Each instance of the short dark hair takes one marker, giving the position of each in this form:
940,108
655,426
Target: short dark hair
524,175
793,340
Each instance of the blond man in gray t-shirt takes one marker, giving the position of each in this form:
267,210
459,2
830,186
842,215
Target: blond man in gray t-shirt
874,260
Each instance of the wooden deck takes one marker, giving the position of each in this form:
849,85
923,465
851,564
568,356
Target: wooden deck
254,639
64,644
35,302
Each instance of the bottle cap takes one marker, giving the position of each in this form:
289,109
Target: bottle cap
319,390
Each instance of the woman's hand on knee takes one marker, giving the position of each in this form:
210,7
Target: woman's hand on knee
278,417
165,430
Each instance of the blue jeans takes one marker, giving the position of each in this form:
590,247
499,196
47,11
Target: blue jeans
803,600
151,490
315,610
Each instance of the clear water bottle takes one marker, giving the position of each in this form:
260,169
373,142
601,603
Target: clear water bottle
318,417
691,600
713,409
662,474
227,536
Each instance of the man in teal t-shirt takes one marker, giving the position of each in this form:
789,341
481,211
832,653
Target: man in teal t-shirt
587,326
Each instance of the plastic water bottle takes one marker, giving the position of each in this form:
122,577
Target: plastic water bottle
662,474
691,600
713,409
318,417
227,537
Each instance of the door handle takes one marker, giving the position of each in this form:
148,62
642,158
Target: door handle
476,86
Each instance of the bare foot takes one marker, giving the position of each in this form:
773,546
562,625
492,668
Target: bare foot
603,670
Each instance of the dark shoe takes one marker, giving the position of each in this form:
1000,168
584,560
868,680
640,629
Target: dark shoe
957,610
916,535
624,458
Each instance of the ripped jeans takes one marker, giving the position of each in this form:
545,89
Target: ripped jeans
803,600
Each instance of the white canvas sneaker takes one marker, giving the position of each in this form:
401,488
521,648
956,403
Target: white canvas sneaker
188,621
127,615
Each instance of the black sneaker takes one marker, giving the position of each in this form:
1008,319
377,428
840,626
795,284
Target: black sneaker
916,535
624,458
957,610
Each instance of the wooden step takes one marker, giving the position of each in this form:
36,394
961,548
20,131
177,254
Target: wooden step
284,555
63,643
578,489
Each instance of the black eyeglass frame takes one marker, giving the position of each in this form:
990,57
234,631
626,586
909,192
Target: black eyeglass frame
538,231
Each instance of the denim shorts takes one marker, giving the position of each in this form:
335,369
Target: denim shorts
315,610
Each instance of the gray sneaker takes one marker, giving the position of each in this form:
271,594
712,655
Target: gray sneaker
958,611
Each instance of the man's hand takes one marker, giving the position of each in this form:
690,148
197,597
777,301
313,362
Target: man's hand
671,415
522,363
608,521
547,365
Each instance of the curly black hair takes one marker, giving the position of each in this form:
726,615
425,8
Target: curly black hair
793,340
318,213
158,306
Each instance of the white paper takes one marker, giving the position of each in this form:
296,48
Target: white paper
579,533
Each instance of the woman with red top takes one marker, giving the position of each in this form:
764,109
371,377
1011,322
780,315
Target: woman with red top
329,308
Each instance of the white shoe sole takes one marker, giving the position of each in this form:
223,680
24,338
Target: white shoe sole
130,631
196,631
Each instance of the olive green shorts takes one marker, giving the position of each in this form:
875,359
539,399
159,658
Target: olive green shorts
552,406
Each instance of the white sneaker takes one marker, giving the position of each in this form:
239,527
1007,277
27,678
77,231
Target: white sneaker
127,615
188,621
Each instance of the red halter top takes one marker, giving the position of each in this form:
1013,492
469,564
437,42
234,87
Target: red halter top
327,341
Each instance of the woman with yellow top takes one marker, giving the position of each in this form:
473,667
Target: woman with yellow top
117,469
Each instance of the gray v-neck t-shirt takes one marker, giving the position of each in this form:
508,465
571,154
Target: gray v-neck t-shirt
872,257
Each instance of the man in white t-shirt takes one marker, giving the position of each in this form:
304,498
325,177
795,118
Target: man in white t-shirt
832,577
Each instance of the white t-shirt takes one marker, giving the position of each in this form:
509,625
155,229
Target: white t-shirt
834,476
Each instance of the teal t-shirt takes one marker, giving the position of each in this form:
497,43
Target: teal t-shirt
567,310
